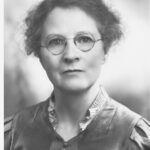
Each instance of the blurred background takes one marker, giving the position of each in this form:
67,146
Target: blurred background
125,75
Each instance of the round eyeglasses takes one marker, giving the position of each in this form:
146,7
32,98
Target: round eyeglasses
56,44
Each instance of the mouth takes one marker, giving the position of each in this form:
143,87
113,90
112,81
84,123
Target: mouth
73,71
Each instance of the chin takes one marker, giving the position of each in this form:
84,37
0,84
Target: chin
74,86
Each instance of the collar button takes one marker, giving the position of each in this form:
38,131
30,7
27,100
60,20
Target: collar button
65,144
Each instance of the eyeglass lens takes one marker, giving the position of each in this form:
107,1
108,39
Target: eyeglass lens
57,43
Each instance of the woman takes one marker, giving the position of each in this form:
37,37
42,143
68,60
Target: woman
71,39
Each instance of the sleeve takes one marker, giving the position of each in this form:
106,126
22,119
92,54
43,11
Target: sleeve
7,132
140,136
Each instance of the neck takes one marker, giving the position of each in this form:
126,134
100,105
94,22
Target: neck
72,107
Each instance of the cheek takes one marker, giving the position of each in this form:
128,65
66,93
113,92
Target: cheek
96,59
46,63
52,71
95,66
49,64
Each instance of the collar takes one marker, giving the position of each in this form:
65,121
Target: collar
97,105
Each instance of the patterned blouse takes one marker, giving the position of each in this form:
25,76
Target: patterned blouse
107,125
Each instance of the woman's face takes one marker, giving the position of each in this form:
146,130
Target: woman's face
73,69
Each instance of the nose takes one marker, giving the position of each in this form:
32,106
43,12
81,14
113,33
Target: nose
71,53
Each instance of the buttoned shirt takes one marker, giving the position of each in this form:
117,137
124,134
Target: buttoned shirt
107,125
90,114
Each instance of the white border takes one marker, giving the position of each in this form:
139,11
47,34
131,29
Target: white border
1,74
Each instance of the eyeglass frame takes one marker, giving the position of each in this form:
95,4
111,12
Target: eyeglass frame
74,40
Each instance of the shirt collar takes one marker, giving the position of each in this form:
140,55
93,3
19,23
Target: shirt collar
93,110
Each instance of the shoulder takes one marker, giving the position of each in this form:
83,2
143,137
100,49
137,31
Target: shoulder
8,124
20,120
124,114
24,116
136,127
141,134
7,132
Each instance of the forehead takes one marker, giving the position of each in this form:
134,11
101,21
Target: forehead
69,21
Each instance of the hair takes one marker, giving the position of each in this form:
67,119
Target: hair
108,21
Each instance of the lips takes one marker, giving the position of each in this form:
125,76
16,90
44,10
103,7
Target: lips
72,71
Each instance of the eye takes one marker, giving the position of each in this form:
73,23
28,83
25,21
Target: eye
84,39
55,42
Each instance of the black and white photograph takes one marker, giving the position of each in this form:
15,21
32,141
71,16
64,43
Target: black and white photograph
76,75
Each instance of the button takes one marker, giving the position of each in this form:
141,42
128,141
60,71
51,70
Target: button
65,144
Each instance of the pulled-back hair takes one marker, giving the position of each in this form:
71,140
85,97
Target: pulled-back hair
109,23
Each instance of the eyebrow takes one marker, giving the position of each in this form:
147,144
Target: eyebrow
78,33
84,32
